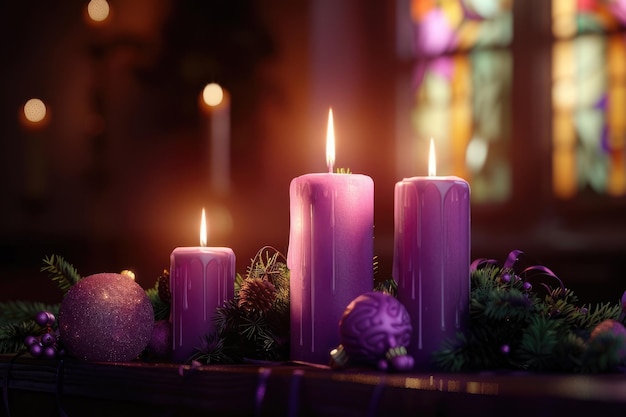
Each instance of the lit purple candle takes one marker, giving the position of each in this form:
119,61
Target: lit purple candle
432,257
330,257
201,279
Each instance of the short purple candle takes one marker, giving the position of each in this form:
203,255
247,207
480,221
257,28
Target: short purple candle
432,258
330,256
201,279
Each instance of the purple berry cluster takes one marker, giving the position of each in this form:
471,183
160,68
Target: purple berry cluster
46,344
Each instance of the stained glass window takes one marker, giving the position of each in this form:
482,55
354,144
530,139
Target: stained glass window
461,81
589,97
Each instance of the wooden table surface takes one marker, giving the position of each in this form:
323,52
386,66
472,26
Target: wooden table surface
33,387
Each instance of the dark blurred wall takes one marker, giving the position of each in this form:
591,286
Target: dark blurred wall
118,176
122,163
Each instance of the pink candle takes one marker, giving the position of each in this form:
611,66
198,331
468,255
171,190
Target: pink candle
330,255
201,279
432,257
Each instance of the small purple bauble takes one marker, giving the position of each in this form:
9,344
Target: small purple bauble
48,339
160,345
372,324
44,318
105,317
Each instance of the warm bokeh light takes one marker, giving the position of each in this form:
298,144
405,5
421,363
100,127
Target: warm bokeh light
432,160
128,273
34,110
98,10
203,230
476,154
330,142
212,94
563,26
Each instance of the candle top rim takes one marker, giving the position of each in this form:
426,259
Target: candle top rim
434,178
335,174
204,249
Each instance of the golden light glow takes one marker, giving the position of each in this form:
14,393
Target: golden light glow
330,142
98,10
34,110
212,95
128,273
432,160
203,230
476,154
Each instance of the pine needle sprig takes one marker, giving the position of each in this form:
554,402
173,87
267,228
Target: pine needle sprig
246,330
19,311
160,307
61,271
453,355
211,350
538,342
512,327
12,335
604,354
595,315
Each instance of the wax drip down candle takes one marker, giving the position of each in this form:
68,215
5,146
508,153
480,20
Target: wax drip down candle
431,261
330,256
201,279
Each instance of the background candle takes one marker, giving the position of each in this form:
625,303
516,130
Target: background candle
201,279
330,254
215,107
432,257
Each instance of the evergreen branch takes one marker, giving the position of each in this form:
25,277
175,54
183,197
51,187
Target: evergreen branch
601,312
511,327
12,335
388,286
160,307
19,311
538,342
61,271
605,353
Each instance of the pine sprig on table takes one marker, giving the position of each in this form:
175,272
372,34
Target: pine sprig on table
12,335
61,271
160,307
511,326
19,311
254,324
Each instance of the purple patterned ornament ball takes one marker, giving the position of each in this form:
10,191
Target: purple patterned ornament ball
375,329
105,317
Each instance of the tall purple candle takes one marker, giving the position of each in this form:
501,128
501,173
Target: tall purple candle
330,257
432,258
201,279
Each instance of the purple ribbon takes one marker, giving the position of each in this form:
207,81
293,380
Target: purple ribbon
264,374
527,273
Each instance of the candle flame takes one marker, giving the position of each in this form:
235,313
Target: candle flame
203,230
330,142
432,161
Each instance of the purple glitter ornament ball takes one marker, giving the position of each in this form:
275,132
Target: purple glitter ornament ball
105,318
372,325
